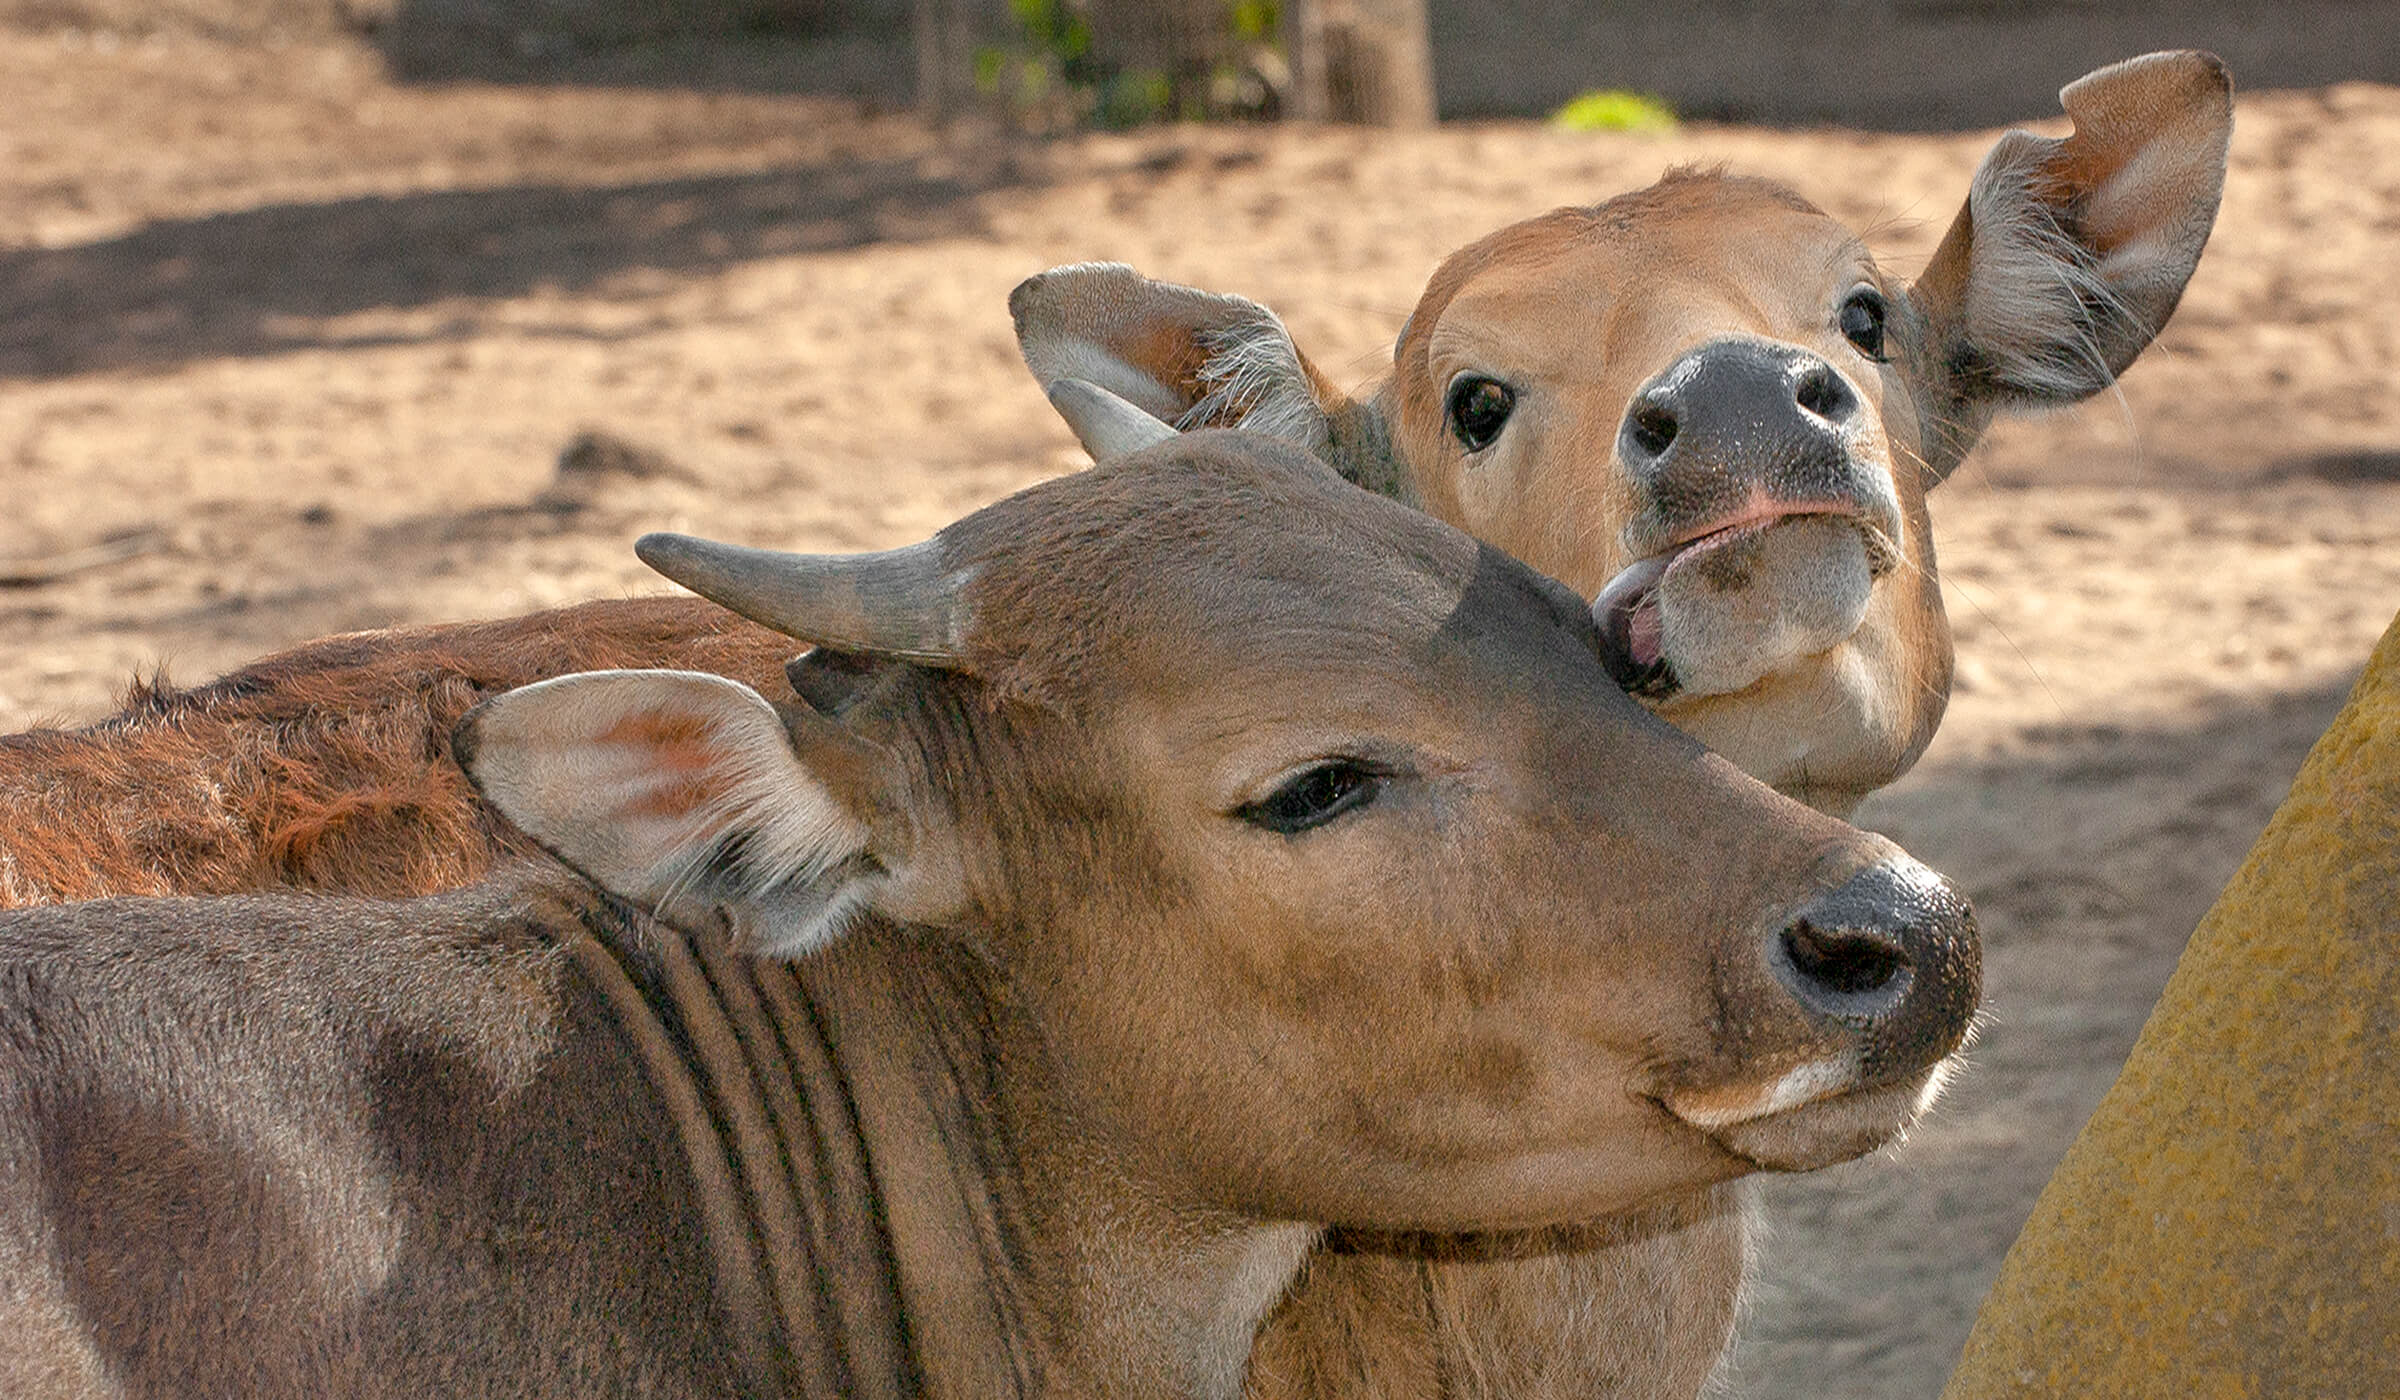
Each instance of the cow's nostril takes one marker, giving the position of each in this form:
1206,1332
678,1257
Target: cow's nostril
1886,961
1847,962
1652,427
1823,393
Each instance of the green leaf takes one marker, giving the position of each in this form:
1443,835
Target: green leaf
1614,109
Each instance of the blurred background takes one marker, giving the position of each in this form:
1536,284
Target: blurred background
329,314
1915,65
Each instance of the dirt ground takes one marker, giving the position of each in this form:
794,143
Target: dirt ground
305,347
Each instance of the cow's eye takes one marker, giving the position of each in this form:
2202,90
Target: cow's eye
1314,796
1862,321
1478,409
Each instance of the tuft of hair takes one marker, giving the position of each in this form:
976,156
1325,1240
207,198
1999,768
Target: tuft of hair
772,840
2044,315
1252,379
1697,184
1756,1228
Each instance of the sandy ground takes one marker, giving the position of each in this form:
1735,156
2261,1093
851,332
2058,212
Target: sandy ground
314,342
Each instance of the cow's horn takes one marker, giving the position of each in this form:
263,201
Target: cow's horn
1106,425
899,602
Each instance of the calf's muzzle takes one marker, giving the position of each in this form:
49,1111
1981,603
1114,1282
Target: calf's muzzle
1764,514
1734,416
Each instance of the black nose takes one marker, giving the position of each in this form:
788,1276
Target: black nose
1891,954
1733,412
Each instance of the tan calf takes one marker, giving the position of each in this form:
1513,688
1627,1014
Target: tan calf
1704,406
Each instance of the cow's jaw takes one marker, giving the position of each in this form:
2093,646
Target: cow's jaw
1813,1115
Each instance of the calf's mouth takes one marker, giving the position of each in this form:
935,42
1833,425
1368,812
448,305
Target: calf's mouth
1738,596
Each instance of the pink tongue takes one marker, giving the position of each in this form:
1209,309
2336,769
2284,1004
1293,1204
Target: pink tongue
1627,608
1642,631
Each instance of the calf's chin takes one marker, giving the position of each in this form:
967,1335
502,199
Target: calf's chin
1761,605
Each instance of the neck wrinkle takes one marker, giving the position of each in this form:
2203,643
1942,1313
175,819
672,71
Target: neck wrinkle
631,993
894,1202
790,1211
909,1027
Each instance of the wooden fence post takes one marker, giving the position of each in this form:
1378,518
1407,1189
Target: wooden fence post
1365,61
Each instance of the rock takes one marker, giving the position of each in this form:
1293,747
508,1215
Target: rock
2229,1221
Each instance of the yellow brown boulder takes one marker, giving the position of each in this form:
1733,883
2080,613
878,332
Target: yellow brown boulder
2228,1224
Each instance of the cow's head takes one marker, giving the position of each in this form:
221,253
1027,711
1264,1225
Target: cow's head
1332,873
1706,406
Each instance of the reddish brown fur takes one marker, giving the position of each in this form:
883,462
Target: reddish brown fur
325,767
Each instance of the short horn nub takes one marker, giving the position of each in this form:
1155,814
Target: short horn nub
1106,425
899,602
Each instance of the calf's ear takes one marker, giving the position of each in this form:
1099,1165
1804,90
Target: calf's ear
684,792
2071,252
1189,358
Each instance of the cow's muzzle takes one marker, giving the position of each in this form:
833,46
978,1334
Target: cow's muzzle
1842,1023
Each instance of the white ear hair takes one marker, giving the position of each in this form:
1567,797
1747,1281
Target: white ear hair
2074,250
1193,358
675,789
1106,425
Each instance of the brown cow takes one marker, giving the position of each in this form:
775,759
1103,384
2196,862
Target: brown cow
1174,856
322,768
325,767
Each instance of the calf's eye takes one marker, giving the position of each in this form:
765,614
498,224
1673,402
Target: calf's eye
1314,796
1862,321
1478,409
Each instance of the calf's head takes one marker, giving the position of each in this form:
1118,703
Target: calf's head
1704,405
1335,876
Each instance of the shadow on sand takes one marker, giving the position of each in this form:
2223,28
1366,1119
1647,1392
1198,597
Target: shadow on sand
268,279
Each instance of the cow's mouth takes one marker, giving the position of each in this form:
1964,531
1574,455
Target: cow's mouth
1630,610
1804,1121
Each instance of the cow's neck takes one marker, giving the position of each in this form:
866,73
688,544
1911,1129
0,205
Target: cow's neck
776,1151
1030,1261
1148,1299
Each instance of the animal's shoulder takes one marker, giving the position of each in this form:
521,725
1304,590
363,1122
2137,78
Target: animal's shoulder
475,970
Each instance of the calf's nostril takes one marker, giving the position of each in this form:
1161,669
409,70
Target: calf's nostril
1847,962
1822,392
1652,427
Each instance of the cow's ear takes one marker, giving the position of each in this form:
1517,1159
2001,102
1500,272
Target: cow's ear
685,793
2071,252
1189,358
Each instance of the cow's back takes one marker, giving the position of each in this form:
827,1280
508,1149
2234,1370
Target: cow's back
457,1146
325,767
